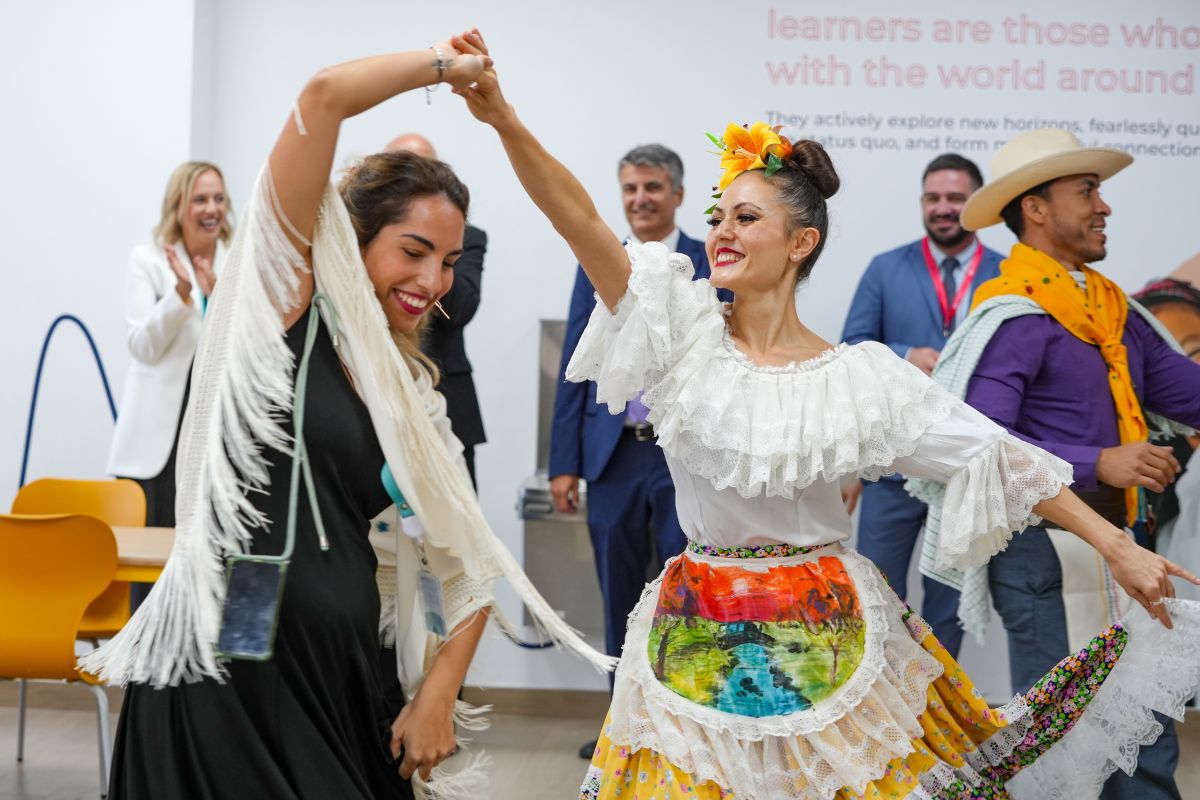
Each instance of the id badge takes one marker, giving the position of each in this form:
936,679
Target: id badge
431,602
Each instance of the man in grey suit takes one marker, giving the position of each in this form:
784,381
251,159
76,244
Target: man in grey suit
911,299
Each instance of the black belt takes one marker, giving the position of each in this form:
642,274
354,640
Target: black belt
641,432
1108,502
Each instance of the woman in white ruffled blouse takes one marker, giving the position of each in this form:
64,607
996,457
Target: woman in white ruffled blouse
769,660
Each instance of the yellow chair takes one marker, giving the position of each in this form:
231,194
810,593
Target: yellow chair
118,502
51,567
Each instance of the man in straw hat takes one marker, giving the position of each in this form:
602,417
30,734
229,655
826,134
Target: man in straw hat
1056,353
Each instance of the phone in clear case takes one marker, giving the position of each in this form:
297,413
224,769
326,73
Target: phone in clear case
251,612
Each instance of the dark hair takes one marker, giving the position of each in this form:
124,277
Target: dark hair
1011,213
806,181
957,163
1168,290
655,155
379,190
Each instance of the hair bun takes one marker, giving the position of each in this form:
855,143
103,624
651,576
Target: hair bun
810,157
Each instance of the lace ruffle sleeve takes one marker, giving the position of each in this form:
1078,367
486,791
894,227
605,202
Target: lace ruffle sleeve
662,313
981,484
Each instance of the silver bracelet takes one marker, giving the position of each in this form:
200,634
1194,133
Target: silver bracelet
441,63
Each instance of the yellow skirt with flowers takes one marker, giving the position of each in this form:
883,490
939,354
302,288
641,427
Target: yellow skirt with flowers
799,674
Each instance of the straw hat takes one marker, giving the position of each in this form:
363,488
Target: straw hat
1033,158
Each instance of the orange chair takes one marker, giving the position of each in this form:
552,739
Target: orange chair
51,568
118,502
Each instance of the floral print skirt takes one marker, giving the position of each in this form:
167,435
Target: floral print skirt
787,637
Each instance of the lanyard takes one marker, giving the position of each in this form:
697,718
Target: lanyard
950,311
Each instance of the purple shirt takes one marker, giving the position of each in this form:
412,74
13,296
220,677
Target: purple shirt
1049,388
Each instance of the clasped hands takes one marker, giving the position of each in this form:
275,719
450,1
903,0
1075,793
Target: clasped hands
471,76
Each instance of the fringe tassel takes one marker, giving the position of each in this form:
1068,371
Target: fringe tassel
440,495
471,718
545,618
241,390
468,783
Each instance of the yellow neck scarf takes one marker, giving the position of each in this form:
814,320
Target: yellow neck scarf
1096,316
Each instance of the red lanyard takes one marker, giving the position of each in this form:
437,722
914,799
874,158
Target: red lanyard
949,312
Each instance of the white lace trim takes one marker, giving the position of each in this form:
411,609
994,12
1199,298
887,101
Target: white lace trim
942,776
1001,744
1159,671
592,781
759,430
990,499
845,740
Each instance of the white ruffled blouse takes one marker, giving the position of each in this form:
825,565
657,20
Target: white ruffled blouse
757,453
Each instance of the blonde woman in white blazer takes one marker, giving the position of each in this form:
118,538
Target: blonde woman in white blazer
166,290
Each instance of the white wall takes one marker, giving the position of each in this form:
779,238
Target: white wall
120,101
97,111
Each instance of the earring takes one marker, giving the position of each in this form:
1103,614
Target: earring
438,305
795,256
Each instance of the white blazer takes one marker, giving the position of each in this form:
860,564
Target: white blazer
163,332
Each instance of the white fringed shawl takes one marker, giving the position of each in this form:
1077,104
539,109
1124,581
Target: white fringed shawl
241,389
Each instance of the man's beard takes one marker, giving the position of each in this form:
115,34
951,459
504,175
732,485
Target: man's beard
952,240
1091,256
1083,251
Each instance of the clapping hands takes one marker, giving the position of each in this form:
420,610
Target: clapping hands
183,282
203,269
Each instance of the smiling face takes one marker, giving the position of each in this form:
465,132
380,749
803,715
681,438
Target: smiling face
749,245
411,261
1074,218
943,196
649,201
202,212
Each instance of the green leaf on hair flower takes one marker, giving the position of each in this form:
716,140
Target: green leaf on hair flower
711,209
774,164
717,196
715,140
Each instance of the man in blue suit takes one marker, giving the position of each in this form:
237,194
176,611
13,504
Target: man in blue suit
631,500
911,299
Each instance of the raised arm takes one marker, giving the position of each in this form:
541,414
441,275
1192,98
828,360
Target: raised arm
549,184
303,156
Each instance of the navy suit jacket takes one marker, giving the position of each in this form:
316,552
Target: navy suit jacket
583,435
896,303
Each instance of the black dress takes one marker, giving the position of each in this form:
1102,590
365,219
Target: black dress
311,722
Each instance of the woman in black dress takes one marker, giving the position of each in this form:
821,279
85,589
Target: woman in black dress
312,720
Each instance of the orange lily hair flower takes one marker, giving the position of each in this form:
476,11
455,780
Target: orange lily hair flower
756,148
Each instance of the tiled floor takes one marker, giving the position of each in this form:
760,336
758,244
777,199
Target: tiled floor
530,737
